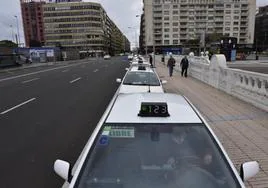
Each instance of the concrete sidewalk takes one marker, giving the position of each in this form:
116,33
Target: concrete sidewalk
241,127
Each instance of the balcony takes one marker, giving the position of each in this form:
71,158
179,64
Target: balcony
219,7
244,13
244,8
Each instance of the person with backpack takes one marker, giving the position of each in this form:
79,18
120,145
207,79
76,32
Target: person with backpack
170,64
184,66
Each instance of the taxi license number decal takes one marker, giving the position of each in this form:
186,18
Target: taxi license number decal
122,133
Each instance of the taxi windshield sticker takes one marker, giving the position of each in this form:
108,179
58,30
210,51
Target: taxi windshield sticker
122,132
119,132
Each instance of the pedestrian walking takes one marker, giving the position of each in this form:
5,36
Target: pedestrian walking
163,59
170,64
184,66
151,60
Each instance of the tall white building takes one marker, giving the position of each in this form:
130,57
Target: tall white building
173,22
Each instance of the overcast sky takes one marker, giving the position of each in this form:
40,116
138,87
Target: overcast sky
122,12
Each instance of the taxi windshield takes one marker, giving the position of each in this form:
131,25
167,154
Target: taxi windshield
141,78
155,155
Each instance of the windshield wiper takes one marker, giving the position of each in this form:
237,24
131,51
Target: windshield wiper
128,83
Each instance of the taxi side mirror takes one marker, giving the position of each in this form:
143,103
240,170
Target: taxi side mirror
249,170
126,69
163,81
118,80
62,168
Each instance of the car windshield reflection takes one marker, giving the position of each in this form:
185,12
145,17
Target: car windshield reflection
151,156
141,78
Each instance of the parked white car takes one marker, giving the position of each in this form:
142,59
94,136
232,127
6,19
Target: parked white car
107,57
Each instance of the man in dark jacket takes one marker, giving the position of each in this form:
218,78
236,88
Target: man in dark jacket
170,65
151,60
184,66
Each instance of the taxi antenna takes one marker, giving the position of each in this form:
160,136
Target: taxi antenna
149,88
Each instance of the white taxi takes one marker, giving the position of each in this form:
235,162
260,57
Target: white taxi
153,140
140,78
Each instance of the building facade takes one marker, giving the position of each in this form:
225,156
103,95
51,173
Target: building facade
62,1
33,23
81,26
174,22
261,29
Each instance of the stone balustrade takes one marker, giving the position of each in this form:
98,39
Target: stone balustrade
249,86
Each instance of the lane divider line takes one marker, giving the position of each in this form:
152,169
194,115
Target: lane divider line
75,80
41,71
27,81
96,70
17,106
66,70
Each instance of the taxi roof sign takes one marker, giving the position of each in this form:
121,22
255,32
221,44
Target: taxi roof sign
153,109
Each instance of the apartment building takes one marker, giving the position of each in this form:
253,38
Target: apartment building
172,23
261,29
83,26
33,24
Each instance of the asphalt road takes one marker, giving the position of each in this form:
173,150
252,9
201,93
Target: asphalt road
48,113
259,68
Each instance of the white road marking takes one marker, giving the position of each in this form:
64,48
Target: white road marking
37,72
66,70
96,70
27,81
17,106
75,80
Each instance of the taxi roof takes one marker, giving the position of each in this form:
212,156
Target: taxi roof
127,107
137,68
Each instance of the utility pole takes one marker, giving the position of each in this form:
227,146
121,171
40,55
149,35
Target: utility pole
18,30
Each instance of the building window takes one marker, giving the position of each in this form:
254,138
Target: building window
228,23
175,12
166,42
175,17
237,6
235,29
175,6
166,24
228,12
236,17
166,12
175,24
210,6
166,35
166,30
236,23
166,18
227,28
236,11
228,6
166,6
175,41
175,29
175,35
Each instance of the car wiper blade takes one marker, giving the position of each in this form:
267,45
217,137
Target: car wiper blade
127,83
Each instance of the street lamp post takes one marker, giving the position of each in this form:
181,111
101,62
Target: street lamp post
18,30
12,33
135,35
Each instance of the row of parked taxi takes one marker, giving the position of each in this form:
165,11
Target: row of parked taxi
147,138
